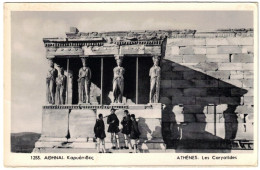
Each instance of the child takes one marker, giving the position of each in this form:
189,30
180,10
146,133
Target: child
126,123
100,134
113,128
135,133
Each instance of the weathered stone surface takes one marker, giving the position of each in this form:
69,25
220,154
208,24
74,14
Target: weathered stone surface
248,100
212,50
174,58
248,49
230,66
113,49
165,100
207,66
155,50
205,83
236,75
149,128
242,109
200,50
183,100
248,74
222,58
217,91
189,118
55,123
196,109
230,100
172,50
192,75
225,74
230,41
182,83
229,49
230,83
133,49
171,92
188,50
81,123
207,100
195,92
248,83
172,75
248,66
186,41
166,66
245,131
71,51
242,58
194,58
238,91
166,84
250,92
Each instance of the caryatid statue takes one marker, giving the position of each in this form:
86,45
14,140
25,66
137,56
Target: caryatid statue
84,83
118,80
155,75
50,83
61,82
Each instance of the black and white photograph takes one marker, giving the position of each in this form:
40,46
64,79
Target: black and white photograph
132,82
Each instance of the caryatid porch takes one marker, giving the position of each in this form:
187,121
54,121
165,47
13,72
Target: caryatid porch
96,55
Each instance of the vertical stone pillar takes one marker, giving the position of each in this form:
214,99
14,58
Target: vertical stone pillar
70,86
84,83
118,80
50,83
155,75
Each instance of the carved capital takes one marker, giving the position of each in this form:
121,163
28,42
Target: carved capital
51,62
119,57
84,59
156,58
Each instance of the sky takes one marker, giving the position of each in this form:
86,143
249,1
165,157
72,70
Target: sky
29,63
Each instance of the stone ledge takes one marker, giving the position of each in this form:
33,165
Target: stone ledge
115,106
145,36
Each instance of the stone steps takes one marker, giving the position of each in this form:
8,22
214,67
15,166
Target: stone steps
74,150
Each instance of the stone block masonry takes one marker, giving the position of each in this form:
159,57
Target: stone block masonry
206,87
210,70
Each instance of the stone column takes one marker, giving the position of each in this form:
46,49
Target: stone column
50,83
70,86
84,83
61,87
155,75
118,80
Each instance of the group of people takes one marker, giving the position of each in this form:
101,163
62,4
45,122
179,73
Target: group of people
130,131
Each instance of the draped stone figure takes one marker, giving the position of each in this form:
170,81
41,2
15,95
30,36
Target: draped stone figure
61,82
118,81
50,83
84,83
155,75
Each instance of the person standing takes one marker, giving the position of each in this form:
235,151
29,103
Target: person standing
135,133
113,128
99,130
126,130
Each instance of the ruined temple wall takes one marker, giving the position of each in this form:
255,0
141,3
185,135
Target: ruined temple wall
203,70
